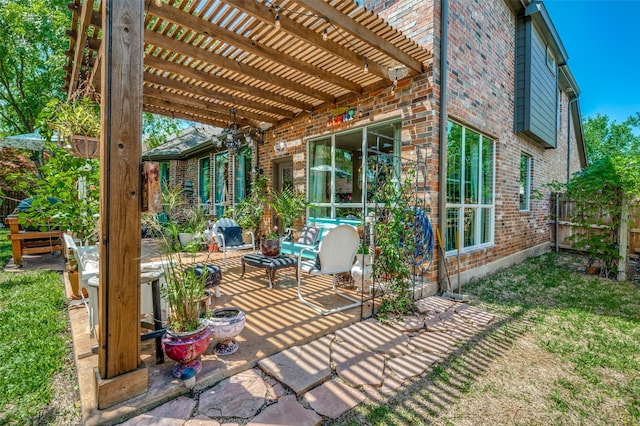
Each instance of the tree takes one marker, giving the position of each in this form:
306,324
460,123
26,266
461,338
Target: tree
31,60
607,139
606,188
156,128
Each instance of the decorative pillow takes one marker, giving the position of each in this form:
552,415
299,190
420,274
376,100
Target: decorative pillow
308,236
232,235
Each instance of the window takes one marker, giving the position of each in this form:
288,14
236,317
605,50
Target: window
204,181
242,171
525,182
221,183
470,188
551,61
164,175
341,168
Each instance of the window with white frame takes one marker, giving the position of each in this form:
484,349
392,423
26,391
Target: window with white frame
470,188
341,168
525,182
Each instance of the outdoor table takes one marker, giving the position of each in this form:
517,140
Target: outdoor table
270,264
151,276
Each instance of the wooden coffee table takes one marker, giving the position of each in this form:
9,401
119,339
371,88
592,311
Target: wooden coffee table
270,264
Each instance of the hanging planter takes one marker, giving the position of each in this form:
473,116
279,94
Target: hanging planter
78,123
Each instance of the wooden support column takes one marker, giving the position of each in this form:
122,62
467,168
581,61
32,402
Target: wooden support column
120,374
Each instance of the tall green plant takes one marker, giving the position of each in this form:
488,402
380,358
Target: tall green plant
395,242
288,206
74,182
250,210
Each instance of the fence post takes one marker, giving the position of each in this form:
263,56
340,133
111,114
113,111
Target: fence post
624,240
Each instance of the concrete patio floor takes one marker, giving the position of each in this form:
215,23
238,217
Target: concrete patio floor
276,320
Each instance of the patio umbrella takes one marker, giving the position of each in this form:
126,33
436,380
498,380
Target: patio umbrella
327,168
30,141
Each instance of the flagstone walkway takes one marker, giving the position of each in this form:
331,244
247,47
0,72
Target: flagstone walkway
325,378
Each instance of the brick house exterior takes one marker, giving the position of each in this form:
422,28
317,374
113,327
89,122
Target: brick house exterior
481,86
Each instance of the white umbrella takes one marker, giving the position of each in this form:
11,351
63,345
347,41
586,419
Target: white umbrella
31,141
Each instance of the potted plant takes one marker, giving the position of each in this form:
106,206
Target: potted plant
78,121
270,244
249,211
288,207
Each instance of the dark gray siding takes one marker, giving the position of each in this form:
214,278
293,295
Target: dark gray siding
536,87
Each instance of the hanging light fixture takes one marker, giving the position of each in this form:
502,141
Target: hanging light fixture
229,136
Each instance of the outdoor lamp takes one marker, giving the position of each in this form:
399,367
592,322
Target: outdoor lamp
188,377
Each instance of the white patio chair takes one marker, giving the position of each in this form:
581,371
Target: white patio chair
228,234
86,269
335,255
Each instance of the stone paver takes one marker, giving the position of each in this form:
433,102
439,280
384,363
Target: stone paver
475,315
357,366
287,411
202,420
436,342
372,360
376,337
173,413
302,367
408,324
241,395
434,304
411,365
333,398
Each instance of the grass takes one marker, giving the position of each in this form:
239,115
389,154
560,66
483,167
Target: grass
34,347
564,349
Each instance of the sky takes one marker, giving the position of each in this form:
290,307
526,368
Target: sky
602,39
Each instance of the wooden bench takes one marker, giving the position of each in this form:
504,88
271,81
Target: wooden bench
31,242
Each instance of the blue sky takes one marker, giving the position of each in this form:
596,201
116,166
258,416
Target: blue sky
602,39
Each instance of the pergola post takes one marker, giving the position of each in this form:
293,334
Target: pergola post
120,374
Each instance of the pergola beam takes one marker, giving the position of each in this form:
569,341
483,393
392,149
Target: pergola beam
360,31
214,31
262,13
81,38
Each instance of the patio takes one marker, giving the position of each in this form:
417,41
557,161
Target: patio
276,320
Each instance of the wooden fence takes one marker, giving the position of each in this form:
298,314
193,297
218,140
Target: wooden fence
9,203
562,228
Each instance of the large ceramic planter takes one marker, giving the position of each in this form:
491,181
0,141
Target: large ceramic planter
270,247
225,325
361,271
185,348
185,238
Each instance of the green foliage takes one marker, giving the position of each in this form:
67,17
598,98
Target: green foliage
288,206
607,139
394,243
31,60
33,344
610,183
249,211
61,175
156,128
77,117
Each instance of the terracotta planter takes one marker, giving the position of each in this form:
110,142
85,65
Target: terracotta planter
225,325
186,348
73,280
270,247
85,146
593,270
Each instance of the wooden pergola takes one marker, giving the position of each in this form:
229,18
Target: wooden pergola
272,60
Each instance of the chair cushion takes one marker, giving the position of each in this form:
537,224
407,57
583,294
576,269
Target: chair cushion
90,262
232,235
309,235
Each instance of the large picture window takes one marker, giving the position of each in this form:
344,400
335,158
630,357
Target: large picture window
341,168
470,188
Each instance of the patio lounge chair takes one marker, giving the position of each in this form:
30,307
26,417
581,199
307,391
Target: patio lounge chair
228,235
335,255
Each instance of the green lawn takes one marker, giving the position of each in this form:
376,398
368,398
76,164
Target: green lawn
35,348
564,349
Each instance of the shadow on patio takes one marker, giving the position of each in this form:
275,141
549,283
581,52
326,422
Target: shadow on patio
276,320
